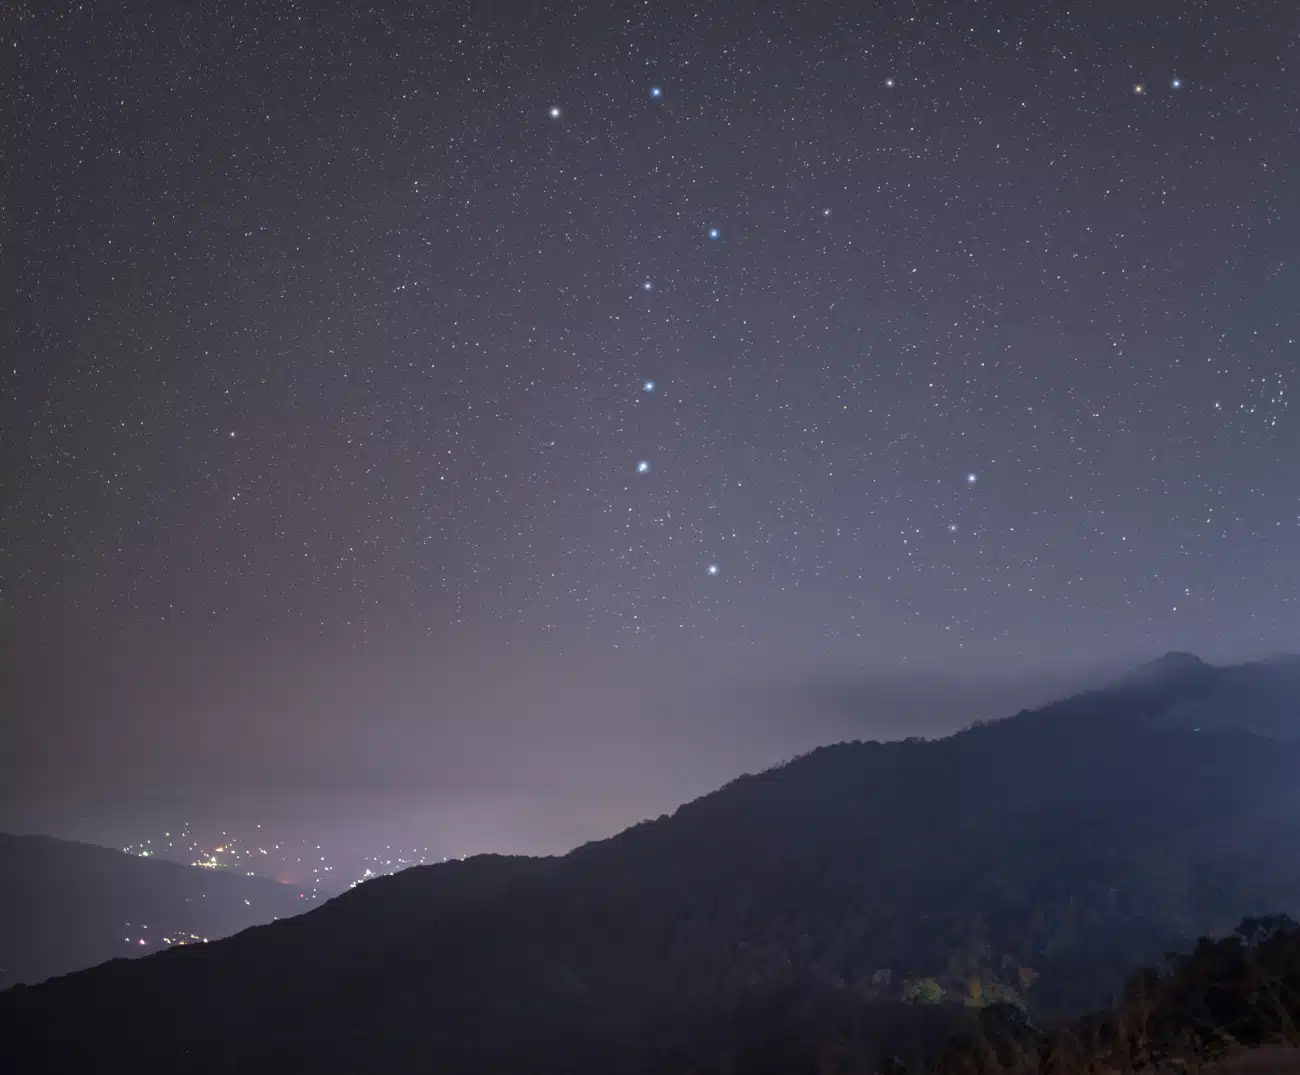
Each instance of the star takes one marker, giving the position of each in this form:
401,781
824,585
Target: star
713,569
889,83
648,386
972,478
715,233
555,112
643,467
1177,83
1139,89
656,91
647,286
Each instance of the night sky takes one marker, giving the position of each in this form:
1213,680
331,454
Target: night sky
503,421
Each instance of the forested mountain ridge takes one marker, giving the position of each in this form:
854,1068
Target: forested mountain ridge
1033,861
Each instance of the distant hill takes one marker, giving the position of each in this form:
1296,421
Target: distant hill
67,906
1030,862
1260,697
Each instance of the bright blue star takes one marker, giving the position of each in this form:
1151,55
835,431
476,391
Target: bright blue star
555,113
972,478
656,91
715,233
1177,83
648,386
647,286
643,467
713,569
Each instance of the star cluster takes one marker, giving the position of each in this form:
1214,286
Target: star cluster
943,329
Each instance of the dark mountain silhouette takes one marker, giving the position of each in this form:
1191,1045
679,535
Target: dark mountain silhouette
1033,861
1172,666
66,906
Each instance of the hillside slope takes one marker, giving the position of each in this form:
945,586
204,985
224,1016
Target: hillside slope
1038,858
65,906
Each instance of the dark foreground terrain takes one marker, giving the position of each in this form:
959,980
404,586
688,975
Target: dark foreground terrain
1231,1004
865,901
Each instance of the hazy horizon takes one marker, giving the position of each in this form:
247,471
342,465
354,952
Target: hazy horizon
534,755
